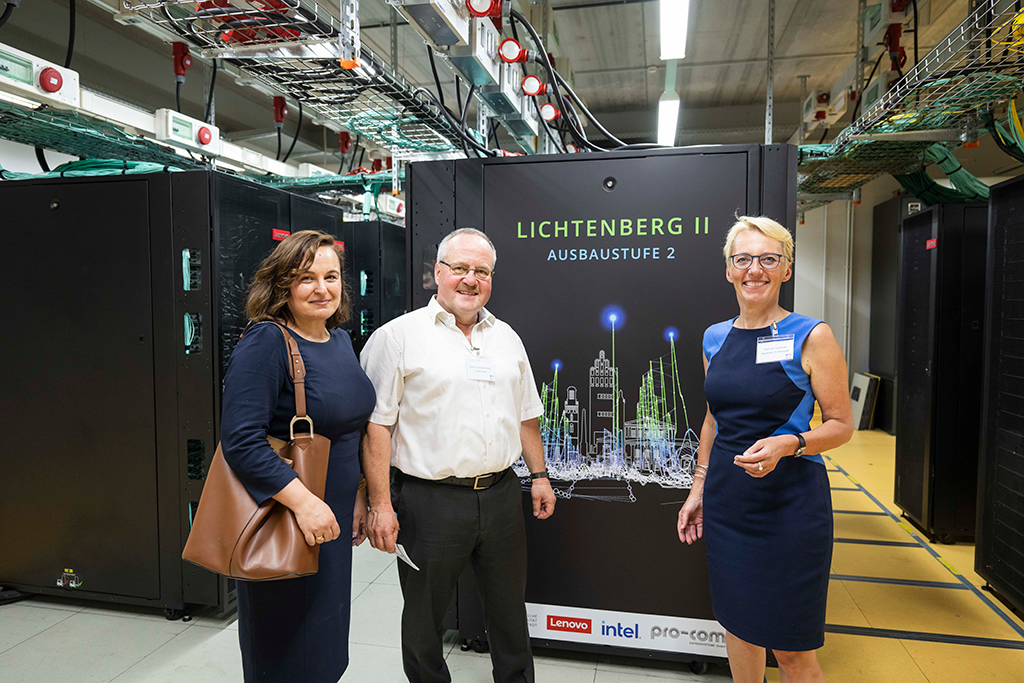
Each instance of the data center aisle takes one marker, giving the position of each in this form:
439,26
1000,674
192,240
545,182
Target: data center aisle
900,608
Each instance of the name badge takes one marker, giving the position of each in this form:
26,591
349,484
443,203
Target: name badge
775,349
480,369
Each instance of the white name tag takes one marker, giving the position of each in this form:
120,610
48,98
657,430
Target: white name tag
775,349
481,369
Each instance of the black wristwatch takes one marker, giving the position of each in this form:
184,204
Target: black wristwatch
543,474
802,448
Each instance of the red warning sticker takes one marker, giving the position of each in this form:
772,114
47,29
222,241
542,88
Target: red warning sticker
339,245
931,244
279,235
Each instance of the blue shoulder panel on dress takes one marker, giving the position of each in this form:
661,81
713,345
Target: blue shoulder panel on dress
715,336
800,327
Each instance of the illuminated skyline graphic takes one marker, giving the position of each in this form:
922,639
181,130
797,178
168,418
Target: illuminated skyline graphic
587,438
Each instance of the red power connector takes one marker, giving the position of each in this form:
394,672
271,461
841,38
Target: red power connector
182,61
344,142
280,111
891,41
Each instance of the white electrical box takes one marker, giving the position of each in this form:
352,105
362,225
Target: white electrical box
479,61
506,97
441,22
877,88
525,122
184,131
837,107
312,171
815,106
36,79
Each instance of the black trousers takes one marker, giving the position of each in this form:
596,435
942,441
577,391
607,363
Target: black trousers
443,528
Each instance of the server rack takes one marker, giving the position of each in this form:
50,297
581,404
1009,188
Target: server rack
999,548
119,375
885,266
379,292
584,558
941,308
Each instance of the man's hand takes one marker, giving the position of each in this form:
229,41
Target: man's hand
382,527
543,498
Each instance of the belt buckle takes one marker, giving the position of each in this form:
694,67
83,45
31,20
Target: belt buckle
476,481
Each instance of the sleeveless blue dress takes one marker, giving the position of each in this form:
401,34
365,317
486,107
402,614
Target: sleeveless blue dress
768,540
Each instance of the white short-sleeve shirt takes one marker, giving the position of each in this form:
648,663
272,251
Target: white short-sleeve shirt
445,421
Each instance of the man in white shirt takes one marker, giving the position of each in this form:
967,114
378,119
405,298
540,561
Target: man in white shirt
456,405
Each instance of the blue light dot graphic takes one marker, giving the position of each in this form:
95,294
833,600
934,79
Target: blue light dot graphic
671,334
613,316
556,365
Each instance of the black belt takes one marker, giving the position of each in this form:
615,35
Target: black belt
484,481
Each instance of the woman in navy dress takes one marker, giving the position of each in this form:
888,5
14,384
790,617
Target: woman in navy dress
297,629
761,497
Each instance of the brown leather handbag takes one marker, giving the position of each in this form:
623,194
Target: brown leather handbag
232,535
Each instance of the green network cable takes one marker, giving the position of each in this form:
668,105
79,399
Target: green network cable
91,168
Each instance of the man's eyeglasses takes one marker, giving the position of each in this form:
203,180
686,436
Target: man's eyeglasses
767,261
460,269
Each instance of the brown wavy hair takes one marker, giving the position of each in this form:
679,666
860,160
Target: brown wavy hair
269,291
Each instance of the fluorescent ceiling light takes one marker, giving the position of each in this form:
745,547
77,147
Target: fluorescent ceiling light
674,15
668,119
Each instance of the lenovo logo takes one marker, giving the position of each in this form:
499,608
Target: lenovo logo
569,624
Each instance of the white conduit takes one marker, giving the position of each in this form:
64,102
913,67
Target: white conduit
849,281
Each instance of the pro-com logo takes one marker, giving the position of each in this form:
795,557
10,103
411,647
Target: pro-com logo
696,635
570,624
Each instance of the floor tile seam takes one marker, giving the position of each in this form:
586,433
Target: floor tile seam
56,623
963,579
894,581
145,657
925,636
903,644
855,603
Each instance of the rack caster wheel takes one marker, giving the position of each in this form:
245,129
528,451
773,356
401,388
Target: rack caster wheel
699,668
174,614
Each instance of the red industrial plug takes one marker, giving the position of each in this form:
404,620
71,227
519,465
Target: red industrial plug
534,86
550,112
484,8
182,61
512,52
891,41
389,162
571,148
280,111
378,165
345,142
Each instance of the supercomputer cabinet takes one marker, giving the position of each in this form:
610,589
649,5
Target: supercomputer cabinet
999,545
939,351
885,267
608,265
125,296
379,280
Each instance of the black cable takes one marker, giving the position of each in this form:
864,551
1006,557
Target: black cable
915,32
458,96
41,158
465,112
72,21
349,157
8,11
209,99
177,95
277,157
455,123
296,138
861,98
586,112
361,153
547,128
492,134
437,81
546,63
823,134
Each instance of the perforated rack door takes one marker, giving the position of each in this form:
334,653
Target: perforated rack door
999,554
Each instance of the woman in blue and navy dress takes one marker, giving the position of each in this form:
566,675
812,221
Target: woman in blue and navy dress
760,497
297,629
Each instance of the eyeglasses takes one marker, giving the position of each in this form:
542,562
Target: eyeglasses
766,261
460,269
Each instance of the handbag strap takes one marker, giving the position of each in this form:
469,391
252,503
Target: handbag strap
297,372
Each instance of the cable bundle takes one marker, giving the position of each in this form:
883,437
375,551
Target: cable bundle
966,188
92,167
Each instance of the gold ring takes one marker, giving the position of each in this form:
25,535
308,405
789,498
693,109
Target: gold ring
319,538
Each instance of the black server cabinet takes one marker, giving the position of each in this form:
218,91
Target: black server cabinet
941,308
585,560
885,265
119,379
999,545
379,291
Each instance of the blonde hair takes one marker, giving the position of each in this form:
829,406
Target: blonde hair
764,225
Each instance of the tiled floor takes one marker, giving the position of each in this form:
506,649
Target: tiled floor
878,631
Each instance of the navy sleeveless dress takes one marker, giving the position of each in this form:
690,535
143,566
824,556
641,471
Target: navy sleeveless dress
768,540
296,629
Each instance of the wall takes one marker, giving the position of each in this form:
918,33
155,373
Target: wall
22,158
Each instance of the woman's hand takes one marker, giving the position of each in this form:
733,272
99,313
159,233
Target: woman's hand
317,521
359,515
764,455
691,518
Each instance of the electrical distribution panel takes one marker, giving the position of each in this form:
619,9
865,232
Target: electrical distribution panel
999,545
185,131
133,367
506,97
479,61
939,365
28,76
441,22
